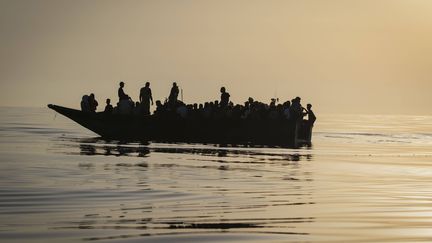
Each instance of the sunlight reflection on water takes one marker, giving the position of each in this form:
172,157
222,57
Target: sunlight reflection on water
365,178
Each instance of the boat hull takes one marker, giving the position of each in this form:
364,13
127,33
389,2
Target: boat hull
177,129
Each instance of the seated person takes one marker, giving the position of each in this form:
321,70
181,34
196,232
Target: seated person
121,93
108,108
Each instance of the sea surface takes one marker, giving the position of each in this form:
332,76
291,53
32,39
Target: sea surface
364,179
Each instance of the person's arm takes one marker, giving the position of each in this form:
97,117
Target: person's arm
151,97
304,111
140,96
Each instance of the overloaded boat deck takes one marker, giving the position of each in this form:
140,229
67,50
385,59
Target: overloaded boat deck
172,128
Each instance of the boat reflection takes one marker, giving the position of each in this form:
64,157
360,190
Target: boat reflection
100,147
143,151
181,190
175,227
109,150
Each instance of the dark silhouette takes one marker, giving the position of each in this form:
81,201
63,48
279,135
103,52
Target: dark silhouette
296,110
159,108
108,108
85,106
224,98
310,114
286,109
137,108
172,98
145,98
121,93
92,102
215,121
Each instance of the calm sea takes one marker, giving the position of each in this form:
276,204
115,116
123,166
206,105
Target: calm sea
365,179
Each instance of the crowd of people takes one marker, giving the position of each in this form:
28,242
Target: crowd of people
218,109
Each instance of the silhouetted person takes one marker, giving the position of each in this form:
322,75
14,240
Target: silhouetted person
224,98
286,109
173,94
137,108
310,114
159,108
108,108
85,106
92,102
121,93
145,98
296,110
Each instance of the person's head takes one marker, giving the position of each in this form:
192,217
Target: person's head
147,84
121,84
174,84
308,106
222,90
92,96
108,101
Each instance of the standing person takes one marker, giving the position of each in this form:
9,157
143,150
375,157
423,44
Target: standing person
286,111
224,98
145,98
85,106
121,93
311,116
92,102
296,110
172,98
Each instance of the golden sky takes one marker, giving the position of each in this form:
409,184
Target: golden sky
368,56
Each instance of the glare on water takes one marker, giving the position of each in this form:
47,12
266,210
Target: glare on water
365,178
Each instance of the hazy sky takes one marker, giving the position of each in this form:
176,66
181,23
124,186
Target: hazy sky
342,56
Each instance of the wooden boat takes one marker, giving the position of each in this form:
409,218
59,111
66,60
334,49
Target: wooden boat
176,129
